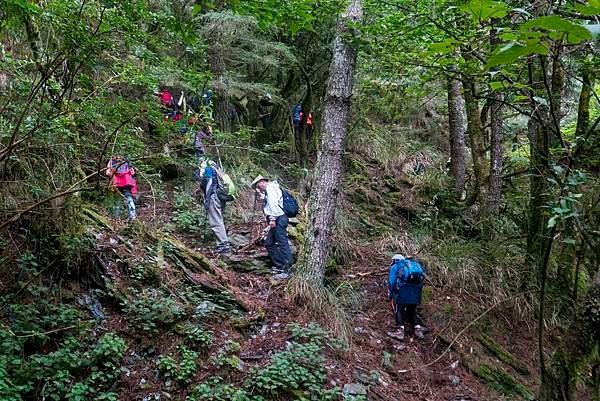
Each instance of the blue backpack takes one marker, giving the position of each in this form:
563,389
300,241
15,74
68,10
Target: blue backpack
290,204
412,273
297,111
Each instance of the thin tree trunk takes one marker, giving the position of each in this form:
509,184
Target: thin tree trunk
539,168
475,132
221,102
583,108
496,154
557,84
496,141
456,126
328,171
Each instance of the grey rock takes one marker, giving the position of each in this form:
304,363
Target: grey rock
354,389
237,240
455,380
93,305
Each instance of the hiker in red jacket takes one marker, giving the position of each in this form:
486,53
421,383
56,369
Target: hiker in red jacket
122,178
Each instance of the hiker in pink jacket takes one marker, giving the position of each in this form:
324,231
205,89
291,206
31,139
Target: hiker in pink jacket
122,178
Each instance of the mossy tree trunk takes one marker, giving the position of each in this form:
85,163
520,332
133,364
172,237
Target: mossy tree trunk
456,128
538,167
328,171
475,133
583,108
576,351
496,141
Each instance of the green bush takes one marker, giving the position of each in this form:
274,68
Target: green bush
189,216
78,369
151,309
181,370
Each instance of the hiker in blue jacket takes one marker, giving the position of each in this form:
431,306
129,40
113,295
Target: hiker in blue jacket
405,284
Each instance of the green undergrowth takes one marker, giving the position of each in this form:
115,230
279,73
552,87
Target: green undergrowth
296,373
49,352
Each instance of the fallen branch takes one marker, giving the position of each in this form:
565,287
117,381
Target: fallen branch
467,327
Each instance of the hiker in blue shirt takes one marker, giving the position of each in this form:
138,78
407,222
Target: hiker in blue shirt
405,284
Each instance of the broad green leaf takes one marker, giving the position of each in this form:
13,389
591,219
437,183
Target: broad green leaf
512,51
23,5
575,33
587,10
495,85
552,222
483,10
444,47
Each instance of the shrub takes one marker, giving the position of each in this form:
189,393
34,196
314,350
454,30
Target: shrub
148,310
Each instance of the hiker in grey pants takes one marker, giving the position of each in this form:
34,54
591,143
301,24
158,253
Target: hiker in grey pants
214,209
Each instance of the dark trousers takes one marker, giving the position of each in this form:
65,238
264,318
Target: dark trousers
406,313
278,245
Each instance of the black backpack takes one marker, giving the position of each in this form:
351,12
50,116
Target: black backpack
290,204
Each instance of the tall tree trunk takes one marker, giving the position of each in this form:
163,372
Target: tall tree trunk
538,132
496,154
328,171
583,108
575,352
456,126
557,83
221,102
496,141
475,132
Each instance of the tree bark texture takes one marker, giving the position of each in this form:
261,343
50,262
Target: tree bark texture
538,132
496,154
456,127
557,84
575,352
221,102
324,194
583,108
475,133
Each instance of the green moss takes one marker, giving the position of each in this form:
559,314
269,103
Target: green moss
502,354
502,382
448,309
426,295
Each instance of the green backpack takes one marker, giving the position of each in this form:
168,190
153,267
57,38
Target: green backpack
227,189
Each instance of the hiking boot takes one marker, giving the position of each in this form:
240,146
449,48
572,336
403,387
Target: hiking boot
223,250
397,335
419,332
276,270
281,276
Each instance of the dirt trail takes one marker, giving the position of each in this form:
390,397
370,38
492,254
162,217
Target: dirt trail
389,368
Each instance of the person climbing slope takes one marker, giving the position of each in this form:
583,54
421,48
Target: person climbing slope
214,205
405,284
122,173
277,242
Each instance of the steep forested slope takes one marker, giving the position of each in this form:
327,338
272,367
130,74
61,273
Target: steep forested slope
463,134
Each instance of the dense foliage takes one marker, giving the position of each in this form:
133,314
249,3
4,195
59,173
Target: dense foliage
472,143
